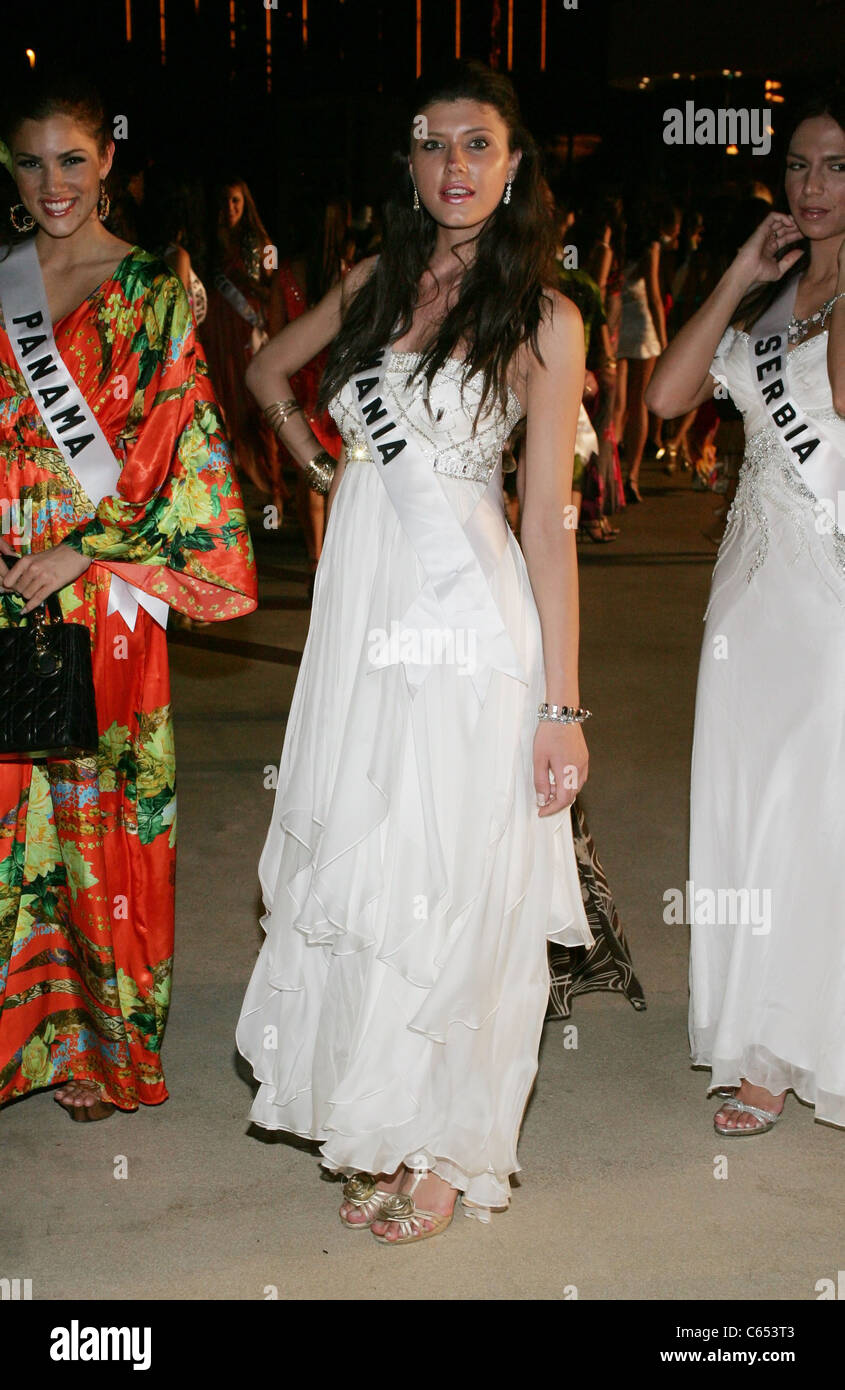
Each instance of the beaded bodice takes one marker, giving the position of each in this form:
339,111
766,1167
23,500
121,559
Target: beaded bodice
440,419
770,488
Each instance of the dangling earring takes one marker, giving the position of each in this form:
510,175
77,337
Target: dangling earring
103,202
28,222
507,196
416,198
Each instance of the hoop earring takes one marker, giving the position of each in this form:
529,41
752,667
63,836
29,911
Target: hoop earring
103,202
507,196
28,221
416,203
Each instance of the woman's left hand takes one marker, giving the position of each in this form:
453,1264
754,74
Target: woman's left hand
35,577
561,761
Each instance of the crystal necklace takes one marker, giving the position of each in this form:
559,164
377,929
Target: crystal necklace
799,328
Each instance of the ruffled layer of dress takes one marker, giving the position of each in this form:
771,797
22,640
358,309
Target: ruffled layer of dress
396,1006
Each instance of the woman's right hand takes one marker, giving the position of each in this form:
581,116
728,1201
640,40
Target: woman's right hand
6,549
759,257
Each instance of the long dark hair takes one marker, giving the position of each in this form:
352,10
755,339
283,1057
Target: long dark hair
174,211
501,298
754,305
45,92
318,237
324,255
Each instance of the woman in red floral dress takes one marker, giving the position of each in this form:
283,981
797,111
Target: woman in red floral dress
87,847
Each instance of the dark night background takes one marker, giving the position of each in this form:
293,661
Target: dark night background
334,110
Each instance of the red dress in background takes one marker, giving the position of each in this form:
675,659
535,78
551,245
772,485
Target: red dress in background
228,340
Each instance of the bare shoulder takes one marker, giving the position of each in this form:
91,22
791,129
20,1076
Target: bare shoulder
561,331
357,277
179,259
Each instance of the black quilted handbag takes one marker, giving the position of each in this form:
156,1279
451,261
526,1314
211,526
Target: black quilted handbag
47,706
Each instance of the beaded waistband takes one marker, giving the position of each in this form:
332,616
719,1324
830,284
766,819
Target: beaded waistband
357,451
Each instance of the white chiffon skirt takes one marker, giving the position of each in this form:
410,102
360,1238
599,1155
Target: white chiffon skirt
410,887
768,814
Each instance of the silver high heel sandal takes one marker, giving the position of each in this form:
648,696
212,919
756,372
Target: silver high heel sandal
768,1118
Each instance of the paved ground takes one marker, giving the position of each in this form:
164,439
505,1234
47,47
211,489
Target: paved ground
618,1195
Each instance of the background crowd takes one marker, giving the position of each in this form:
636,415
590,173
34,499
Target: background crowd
636,266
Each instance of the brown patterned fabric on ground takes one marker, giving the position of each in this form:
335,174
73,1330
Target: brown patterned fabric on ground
606,965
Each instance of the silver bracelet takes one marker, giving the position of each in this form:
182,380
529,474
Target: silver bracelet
563,714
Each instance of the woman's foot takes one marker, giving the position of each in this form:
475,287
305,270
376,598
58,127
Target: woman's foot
362,1214
83,1100
727,1118
670,453
430,1194
597,532
632,491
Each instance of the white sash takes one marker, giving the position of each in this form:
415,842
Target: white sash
816,458
242,306
458,560
70,420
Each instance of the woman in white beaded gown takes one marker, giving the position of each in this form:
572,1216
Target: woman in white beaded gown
420,853
767,977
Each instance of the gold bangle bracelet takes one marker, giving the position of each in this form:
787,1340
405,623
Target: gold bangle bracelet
319,471
278,414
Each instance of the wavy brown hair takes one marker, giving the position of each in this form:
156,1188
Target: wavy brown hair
47,92
502,297
828,103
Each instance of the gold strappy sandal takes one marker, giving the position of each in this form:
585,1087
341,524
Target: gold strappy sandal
401,1208
362,1191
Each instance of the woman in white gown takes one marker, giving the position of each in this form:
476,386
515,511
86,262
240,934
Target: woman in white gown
767,977
410,880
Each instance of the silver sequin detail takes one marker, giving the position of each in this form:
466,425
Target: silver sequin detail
443,441
768,478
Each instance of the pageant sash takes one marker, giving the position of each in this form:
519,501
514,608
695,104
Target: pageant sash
817,460
242,306
67,414
458,560
69,418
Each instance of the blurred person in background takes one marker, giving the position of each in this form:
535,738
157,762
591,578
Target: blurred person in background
642,337
235,328
323,255
174,220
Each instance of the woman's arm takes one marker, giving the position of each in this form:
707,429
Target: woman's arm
836,341
548,541
652,288
601,259
681,379
268,374
179,261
